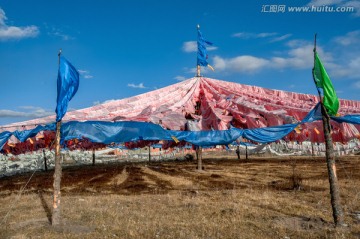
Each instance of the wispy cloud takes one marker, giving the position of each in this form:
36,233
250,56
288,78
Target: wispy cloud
140,86
27,112
281,38
63,36
191,46
349,39
14,32
357,85
250,35
292,86
98,102
273,36
348,69
57,32
179,78
85,74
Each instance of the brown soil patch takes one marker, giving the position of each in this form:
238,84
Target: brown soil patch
258,198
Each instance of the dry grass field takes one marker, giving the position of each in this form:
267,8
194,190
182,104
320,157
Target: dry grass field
259,198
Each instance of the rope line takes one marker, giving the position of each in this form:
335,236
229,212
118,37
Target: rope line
21,191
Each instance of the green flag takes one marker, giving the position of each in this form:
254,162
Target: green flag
322,80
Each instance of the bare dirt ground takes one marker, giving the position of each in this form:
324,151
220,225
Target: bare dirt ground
258,198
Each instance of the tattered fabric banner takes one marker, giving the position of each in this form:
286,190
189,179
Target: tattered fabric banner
67,86
129,131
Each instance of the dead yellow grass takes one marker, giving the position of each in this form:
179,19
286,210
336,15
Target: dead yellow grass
230,199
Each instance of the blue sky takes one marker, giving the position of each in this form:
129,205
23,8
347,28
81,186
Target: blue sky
127,47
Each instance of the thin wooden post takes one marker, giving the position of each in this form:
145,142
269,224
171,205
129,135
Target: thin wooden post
56,213
238,152
246,151
199,158
45,161
93,156
312,149
149,154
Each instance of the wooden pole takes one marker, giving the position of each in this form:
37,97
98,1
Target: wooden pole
45,162
93,156
246,151
238,152
312,149
199,158
338,214
149,154
56,212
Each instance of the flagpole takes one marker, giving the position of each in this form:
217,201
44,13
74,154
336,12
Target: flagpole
338,214
56,213
197,64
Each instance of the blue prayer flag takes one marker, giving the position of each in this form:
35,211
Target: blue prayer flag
202,52
67,86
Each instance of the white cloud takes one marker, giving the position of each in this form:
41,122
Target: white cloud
349,39
27,111
219,63
349,69
179,78
57,32
96,102
357,84
140,86
85,74
245,64
104,102
273,36
63,36
355,4
191,46
249,35
281,38
2,17
14,32
298,54
296,43
299,57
